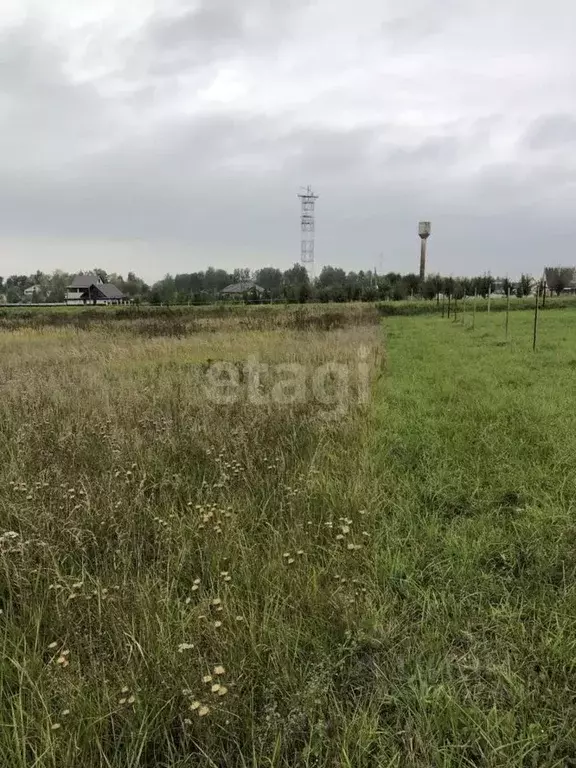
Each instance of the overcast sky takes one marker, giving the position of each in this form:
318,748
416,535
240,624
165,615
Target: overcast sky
166,136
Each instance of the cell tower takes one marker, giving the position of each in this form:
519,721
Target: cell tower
308,226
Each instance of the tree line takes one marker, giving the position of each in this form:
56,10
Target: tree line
294,284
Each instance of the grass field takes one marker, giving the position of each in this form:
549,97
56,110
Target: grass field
367,583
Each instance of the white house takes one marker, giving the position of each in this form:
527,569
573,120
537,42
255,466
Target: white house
90,289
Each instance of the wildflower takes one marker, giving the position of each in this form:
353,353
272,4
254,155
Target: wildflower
340,537
188,600
215,688
227,578
345,529
196,582
291,560
78,585
207,679
219,670
222,691
239,618
300,552
62,661
66,653
187,721
52,645
203,711
216,601
125,689
224,573
65,712
55,726
185,647
122,701
286,555
131,699
195,705
217,624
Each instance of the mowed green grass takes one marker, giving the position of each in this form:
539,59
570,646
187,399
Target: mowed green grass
475,448
390,587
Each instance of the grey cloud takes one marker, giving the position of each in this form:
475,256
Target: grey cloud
197,34
132,156
552,132
206,26
412,21
233,180
47,119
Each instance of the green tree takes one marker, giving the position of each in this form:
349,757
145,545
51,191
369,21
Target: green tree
241,275
524,286
508,285
102,274
412,282
270,279
295,279
559,278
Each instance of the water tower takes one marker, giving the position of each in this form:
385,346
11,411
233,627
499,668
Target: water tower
424,229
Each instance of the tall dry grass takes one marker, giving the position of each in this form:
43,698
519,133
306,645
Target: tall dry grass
183,582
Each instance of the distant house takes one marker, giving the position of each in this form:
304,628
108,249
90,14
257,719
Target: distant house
90,289
239,290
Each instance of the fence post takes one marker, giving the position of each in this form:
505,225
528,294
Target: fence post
443,304
489,296
536,318
474,309
507,313
449,301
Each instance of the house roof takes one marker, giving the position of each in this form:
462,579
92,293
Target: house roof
110,291
107,290
85,281
243,287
